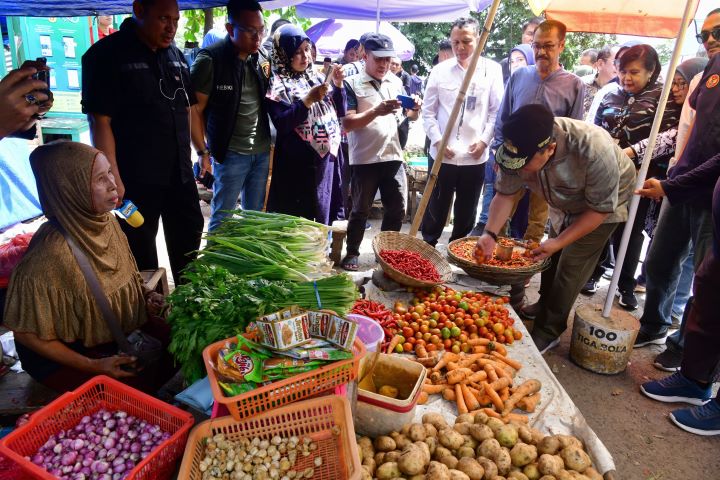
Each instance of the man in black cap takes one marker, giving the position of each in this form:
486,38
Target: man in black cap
586,179
372,120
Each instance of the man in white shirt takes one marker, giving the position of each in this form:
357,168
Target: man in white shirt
463,169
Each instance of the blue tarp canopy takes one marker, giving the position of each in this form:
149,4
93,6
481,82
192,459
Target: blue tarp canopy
80,8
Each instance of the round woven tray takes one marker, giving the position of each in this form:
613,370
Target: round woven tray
492,274
401,241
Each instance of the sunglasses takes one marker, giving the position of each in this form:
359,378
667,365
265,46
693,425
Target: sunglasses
703,36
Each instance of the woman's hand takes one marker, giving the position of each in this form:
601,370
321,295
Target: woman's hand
112,366
652,188
338,75
154,303
316,94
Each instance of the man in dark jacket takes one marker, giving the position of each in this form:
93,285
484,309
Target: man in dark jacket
231,80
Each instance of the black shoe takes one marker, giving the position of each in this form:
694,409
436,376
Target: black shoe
627,299
590,287
531,311
643,339
544,344
669,360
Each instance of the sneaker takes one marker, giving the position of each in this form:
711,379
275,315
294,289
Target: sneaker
676,388
643,339
543,344
530,312
669,360
640,288
590,287
608,274
627,299
704,420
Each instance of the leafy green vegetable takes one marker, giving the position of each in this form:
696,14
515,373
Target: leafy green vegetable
215,304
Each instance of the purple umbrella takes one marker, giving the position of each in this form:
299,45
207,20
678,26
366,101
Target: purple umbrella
330,36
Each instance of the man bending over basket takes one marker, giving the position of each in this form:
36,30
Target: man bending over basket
586,179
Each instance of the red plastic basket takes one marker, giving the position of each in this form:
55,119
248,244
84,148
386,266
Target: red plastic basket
282,392
101,392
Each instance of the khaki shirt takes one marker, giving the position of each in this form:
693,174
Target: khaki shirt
587,172
378,141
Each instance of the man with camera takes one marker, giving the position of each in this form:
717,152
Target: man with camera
25,98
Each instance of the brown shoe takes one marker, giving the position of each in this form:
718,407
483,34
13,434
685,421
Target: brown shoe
531,311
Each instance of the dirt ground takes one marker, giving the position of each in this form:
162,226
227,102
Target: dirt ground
644,443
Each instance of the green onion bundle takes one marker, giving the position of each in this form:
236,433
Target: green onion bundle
269,245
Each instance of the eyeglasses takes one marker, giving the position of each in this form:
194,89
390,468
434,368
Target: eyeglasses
250,31
679,85
704,35
545,46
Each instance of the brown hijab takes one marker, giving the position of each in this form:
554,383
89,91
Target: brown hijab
48,294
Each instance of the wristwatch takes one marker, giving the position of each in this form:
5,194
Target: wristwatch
492,234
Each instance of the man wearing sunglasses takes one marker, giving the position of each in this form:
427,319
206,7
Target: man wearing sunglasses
681,227
231,79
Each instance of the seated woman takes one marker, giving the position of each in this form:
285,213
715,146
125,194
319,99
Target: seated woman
308,163
61,336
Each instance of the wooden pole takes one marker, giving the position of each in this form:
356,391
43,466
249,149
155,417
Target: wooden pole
450,127
690,7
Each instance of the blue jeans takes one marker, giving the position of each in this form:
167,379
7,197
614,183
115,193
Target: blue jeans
679,228
239,176
488,189
682,295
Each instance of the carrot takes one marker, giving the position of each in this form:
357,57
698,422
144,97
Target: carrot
470,401
477,377
445,359
491,374
423,398
421,351
504,394
475,342
462,408
527,388
480,349
513,363
493,396
449,394
498,347
458,376
468,360
529,403
433,389
393,343
452,366
501,372
515,417
484,400
501,383
491,413
437,378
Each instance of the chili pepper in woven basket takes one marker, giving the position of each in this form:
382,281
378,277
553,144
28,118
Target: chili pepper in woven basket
411,264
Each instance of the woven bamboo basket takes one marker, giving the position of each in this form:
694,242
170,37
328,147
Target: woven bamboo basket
401,241
492,274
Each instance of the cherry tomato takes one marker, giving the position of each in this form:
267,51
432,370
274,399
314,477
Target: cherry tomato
407,347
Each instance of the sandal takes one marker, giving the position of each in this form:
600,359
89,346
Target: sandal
350,263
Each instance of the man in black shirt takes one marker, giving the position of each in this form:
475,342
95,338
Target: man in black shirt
137,95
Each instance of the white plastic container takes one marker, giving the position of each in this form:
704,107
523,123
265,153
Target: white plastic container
376,414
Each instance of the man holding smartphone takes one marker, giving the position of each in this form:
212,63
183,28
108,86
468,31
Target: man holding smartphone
25,97
372,120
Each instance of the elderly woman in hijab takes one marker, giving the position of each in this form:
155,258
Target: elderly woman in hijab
61,336
307,165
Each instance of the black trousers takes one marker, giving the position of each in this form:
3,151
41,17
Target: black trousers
466,183
179,207
365,182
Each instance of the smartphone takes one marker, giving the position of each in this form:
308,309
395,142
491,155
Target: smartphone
42,74
329,70
406,101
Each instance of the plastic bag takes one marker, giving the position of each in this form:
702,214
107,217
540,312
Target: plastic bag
12,252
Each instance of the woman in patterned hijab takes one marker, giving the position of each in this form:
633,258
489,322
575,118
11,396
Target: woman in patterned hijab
307,165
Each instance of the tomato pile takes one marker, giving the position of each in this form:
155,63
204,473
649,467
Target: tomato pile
445,319
411,264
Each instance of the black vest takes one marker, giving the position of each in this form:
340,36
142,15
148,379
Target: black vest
224,99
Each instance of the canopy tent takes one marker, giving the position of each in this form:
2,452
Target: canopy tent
330,36
63,8
629,17
389,10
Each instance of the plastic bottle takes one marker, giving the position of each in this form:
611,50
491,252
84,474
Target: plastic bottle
130,213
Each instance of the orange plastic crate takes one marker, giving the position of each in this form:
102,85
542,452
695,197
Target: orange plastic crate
310,418
101,392
282,392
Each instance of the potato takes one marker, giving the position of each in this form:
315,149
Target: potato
379,458
571,475
468,452
463,428
365,475
517,476
550,464
419,476
569,441
548,477
388,391
575,458
370,464
592,474
391,457
430,430
432,444
401,442
417,433
523,454
531,471
388,471
437,471
436,420
458,475
412,460
549,445
365,441
441,452
481,418
470,442
498,477
465,418
489,466
425,449
481,432
385,444
503,461
406,428
471,468
450,460
451,439
537,436
507,435
495,424
489,448
525,434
